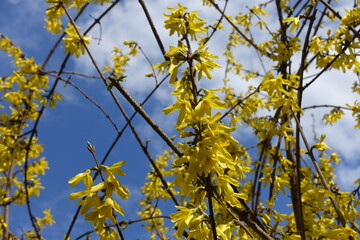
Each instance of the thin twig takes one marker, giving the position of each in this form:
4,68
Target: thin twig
132,116
98,70
146,117
320,21
319,172
217,24
234,26
258,174
101,75
239,102
245,215
146,152
209,191
276,160
241,223
326,106
149,61
122,223
71,73
92,101
153,29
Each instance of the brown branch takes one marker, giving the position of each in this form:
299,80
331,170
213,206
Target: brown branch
283,26
91,100
33,132
146,117
238,30
132,116
241,223
100,73
247,39
258,174
239,102
246,216
40,112
209,191
297,134
153,29
217,24
150,63
318,170
9,180
122,223
70,73
153,223
319,22
300,10
276,160
326,106
102,77
303,24
146,152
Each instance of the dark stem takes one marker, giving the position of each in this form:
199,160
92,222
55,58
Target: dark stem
209,191
319,172
258,174
146,152
153,29
146,117
250,41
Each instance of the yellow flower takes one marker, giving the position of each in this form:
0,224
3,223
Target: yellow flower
85,176
75,43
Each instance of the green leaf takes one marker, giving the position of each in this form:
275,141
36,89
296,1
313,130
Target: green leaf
122,78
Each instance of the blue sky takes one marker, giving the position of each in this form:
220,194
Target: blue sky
65,130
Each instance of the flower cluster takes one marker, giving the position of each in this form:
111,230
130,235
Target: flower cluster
98,203
74,42
212,164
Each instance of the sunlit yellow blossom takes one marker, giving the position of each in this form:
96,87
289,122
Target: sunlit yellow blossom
75,43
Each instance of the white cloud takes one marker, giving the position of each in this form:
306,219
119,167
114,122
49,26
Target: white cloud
13,1
333,88
347,175
19,28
